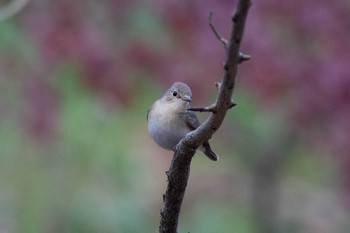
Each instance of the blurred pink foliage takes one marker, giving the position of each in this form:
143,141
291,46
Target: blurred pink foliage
300,57
303,49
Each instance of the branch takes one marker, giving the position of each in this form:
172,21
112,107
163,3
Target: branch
216,33
242,57
210,108
223,102
179,170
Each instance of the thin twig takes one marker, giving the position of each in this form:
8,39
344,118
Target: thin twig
216,33
242,57
210,108
203,109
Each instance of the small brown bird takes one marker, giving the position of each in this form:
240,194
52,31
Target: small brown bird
169,120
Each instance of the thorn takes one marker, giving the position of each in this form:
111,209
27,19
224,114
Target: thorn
243,57
232,104
167,175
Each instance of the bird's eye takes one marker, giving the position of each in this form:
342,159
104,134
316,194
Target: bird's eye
174,93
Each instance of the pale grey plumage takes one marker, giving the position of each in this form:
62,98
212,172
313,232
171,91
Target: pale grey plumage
169,120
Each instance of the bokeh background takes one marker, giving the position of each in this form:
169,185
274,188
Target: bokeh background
77,78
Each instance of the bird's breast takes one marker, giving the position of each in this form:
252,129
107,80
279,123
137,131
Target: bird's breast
166,125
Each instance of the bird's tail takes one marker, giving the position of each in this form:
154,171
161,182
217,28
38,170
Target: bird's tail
208,152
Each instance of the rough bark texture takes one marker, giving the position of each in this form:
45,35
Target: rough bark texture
177,181
179,170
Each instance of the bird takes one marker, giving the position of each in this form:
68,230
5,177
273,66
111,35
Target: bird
169,119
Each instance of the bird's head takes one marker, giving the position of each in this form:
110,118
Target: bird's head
179,95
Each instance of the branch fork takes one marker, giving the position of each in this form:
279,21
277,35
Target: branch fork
242,56
211,108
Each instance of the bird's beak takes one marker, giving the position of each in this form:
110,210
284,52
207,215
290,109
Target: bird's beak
187,98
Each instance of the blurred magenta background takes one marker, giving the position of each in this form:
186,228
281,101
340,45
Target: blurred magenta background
77,78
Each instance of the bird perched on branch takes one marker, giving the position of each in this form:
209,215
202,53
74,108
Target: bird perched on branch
169,120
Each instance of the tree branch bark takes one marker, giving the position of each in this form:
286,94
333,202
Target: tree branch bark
179,170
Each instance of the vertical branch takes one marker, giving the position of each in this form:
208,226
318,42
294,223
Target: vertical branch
179,170
178,175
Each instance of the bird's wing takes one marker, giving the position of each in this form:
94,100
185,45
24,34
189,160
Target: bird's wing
193,123
191,120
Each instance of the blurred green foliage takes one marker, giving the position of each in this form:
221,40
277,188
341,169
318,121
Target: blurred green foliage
83,179
88,177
